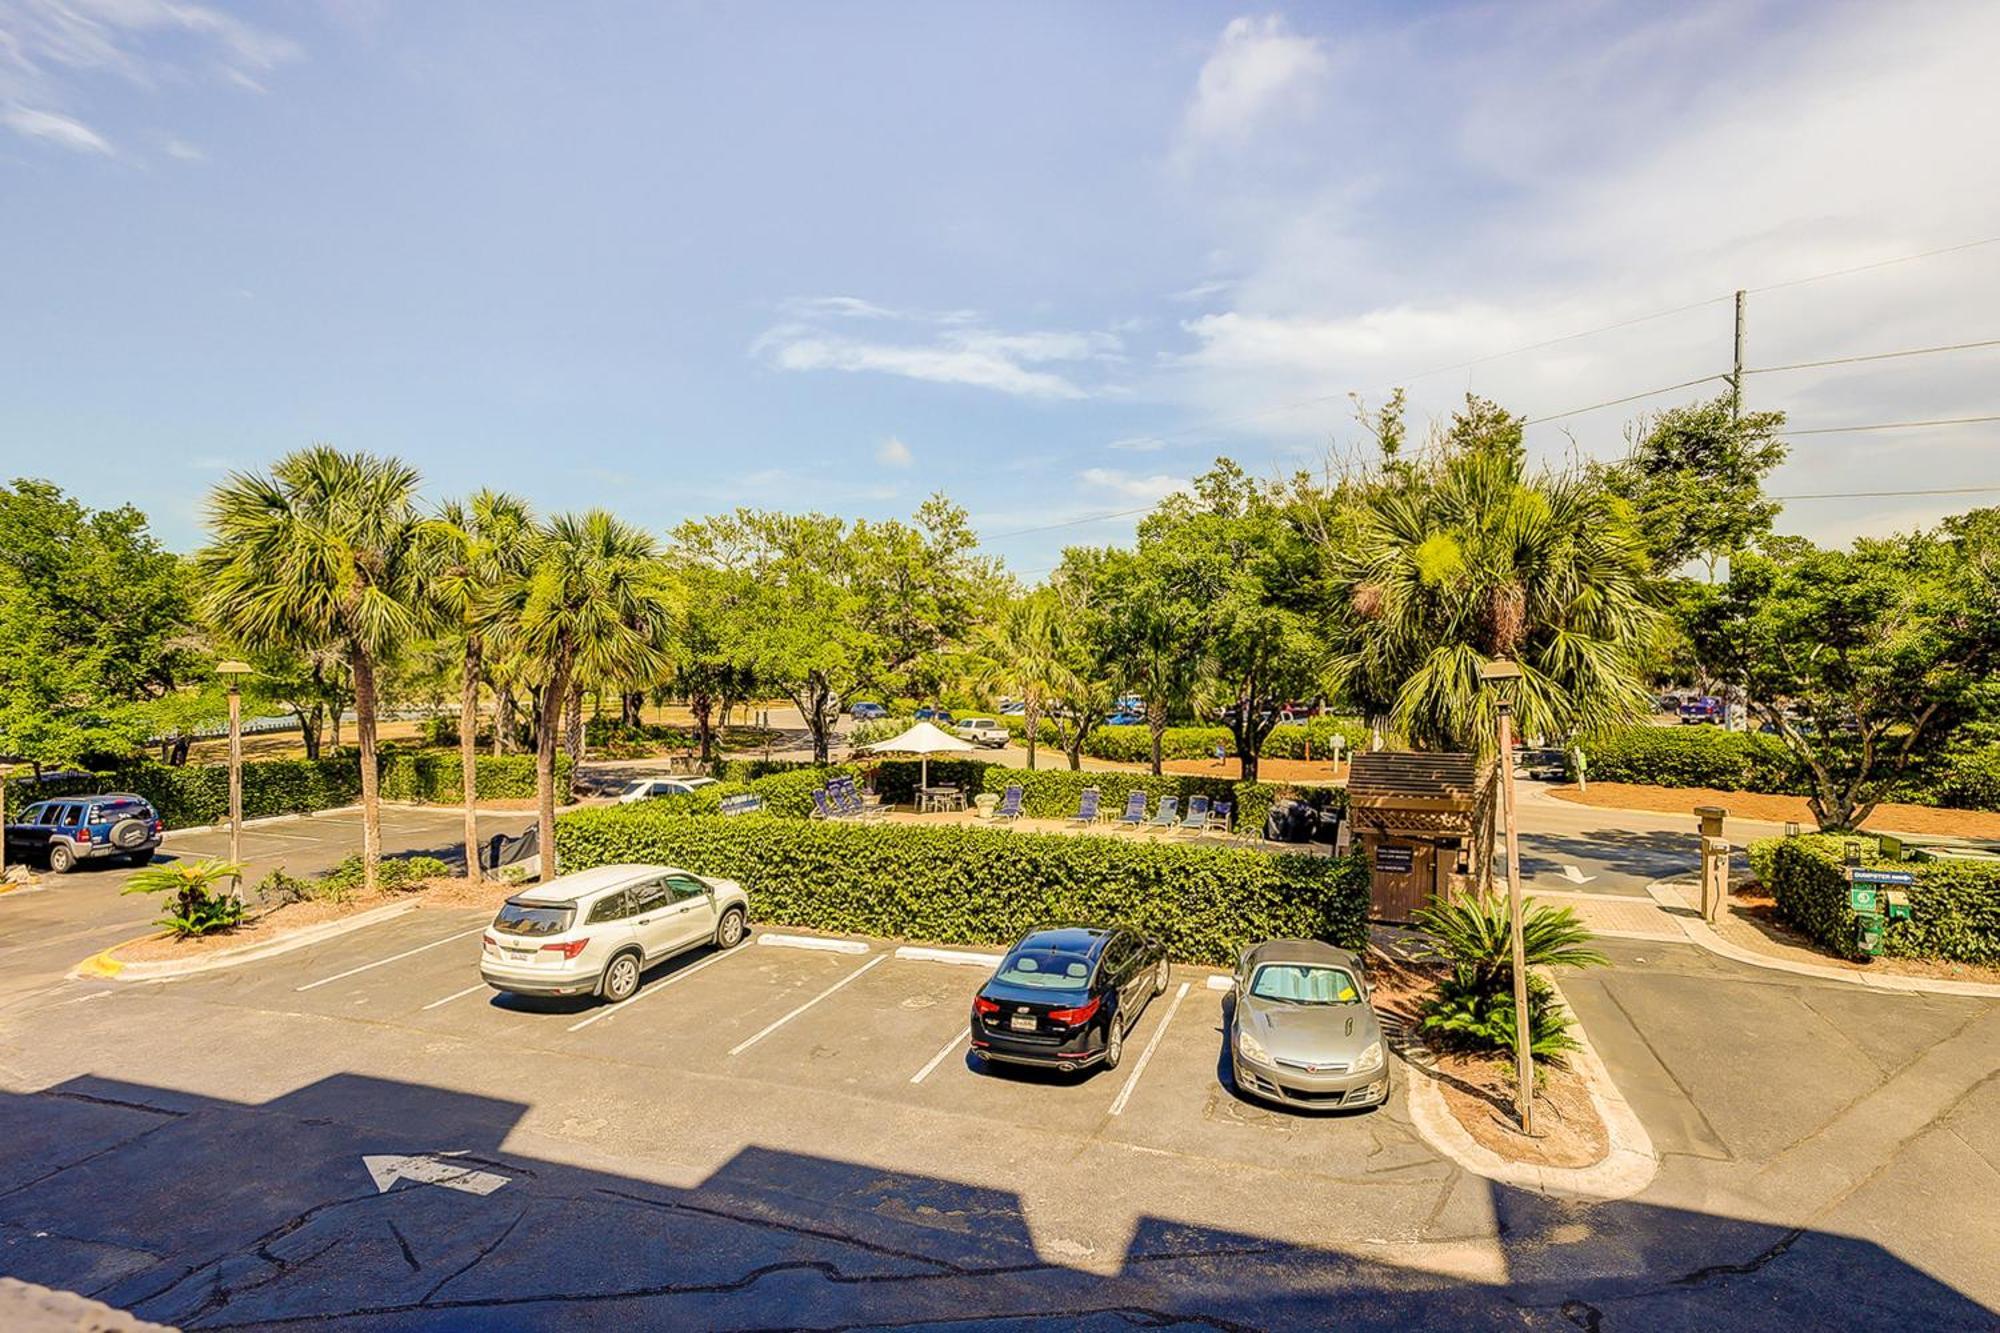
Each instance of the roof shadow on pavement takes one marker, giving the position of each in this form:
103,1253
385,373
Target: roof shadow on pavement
204,1212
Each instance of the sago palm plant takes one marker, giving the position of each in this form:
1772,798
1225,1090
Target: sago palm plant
193,907
1474,1006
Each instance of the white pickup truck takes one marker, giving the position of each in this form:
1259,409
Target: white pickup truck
981,731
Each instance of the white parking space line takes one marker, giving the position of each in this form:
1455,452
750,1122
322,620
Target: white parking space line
457,995
1132,1079
939,1058
393,958
747,1043
814,942
610,1009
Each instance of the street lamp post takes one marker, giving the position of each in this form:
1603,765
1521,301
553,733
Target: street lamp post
233,672
1501,674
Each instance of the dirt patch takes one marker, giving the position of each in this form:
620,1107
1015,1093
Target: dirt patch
265,925
1887,818
1268,770
1479,1089
1753,922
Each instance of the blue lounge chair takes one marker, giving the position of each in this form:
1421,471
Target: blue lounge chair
746,804
1197,815
1086,808
1218,818
1010,805
844,794
1167,815
824,807
1135,810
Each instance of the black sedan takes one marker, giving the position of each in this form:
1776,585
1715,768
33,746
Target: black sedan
1065,998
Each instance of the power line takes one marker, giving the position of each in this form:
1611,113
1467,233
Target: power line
1880,263
1890,425
1875,356
1629,398
1073,522
1875,495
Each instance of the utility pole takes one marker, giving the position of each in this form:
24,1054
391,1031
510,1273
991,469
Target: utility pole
1736,375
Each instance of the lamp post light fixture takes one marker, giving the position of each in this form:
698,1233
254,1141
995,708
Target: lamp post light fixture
1502,674
233,672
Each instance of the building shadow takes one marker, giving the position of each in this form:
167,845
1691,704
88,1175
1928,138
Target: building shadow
358,1202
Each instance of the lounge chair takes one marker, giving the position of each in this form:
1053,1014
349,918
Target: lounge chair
1087,811
1197,815
1135,810
823,807
1168,815
848,797
746,804
1218,816
1010,805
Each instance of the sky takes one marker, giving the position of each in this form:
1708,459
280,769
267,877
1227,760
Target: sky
1051,259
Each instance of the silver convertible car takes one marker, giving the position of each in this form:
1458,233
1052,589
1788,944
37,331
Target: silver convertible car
1302,1032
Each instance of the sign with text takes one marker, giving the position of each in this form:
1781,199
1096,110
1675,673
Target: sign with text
1394,860
1902,879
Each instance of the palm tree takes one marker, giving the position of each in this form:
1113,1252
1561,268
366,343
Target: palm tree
1021,652
490,546
589,609
1465,557
328,549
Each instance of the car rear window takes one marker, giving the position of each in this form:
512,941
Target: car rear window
1304,983
533,918
112,811
1045,969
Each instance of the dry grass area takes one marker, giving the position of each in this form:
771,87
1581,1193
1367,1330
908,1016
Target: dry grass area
1752,922
265,925
1888,818
1479,1088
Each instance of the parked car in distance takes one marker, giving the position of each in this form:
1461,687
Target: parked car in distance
1301,1031
867,712
1013,708
982,731
1696,711
597,931
1066,997
644,789
939,715
65,832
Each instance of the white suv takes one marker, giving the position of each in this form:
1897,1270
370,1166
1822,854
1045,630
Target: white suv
982,731
594,932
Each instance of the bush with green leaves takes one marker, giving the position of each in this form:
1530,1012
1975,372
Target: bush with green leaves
195,905
1954,905
1473,1008
967,884
434,777
1292,740
1694,757
877,729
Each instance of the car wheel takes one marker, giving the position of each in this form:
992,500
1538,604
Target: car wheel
1114,1050
142,858
61,859
621,978
729,931
1164,972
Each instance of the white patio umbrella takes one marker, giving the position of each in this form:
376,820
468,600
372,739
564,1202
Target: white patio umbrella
922,739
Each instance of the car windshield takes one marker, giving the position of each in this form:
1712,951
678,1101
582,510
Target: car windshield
1304,983
1045,969
533,918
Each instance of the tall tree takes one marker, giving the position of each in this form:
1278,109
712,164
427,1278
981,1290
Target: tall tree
1695,480
1156,601
489,546
1020,651
1462,554
586,611
328,548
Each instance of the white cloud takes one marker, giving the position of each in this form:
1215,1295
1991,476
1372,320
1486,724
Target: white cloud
184,151
951,347
56,129
1257,67
1138,444
1131,486
893,453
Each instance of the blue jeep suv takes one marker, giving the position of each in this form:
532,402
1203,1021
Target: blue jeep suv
70,829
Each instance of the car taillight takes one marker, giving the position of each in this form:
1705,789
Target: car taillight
567,950
489,941
159,826
985,1006
83,835
1069,1018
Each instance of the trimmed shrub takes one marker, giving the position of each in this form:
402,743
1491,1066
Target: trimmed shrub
1134,745
968,885
749,770
1288,740
1967,779
1954,905
1694,757
433,776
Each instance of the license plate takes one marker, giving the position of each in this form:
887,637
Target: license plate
1022,1022
521,955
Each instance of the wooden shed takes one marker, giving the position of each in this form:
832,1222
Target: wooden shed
1417,815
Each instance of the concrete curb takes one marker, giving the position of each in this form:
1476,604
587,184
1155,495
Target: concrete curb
1699,932
824,943
917,953
1627,1167
105,967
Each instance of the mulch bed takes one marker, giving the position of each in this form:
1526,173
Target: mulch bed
264,925
1770,933
1887,817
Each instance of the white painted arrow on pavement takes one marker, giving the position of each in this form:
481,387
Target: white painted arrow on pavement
1575,876
430,1171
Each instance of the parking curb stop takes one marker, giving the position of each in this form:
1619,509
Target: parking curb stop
822,942
917,953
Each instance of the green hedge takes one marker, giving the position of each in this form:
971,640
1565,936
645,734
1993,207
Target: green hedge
1288,740
1967,779
1055,793
1694,757
434,777
969,885
1954,905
